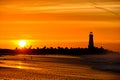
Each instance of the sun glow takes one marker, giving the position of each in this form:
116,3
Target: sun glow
22,43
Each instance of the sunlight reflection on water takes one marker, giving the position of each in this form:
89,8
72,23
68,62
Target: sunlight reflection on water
17,64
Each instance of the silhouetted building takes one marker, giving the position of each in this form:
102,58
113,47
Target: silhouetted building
91,41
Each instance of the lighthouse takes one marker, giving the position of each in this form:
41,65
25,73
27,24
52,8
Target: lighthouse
91,41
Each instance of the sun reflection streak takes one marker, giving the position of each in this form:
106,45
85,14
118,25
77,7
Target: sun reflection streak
18,65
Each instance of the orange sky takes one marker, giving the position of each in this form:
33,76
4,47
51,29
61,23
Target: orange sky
59,20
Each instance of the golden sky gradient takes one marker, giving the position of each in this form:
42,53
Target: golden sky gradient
59,20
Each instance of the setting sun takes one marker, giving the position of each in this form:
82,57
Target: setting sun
22,43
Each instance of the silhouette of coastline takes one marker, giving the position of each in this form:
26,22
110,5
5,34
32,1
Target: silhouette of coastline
51,50
58,51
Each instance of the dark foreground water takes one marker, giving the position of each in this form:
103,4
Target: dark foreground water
52,67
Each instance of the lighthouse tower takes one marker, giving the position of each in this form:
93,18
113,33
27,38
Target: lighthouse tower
91,42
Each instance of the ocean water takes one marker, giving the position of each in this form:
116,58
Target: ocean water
56,67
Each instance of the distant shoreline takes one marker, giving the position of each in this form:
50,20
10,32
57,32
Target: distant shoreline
55,51
107,45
